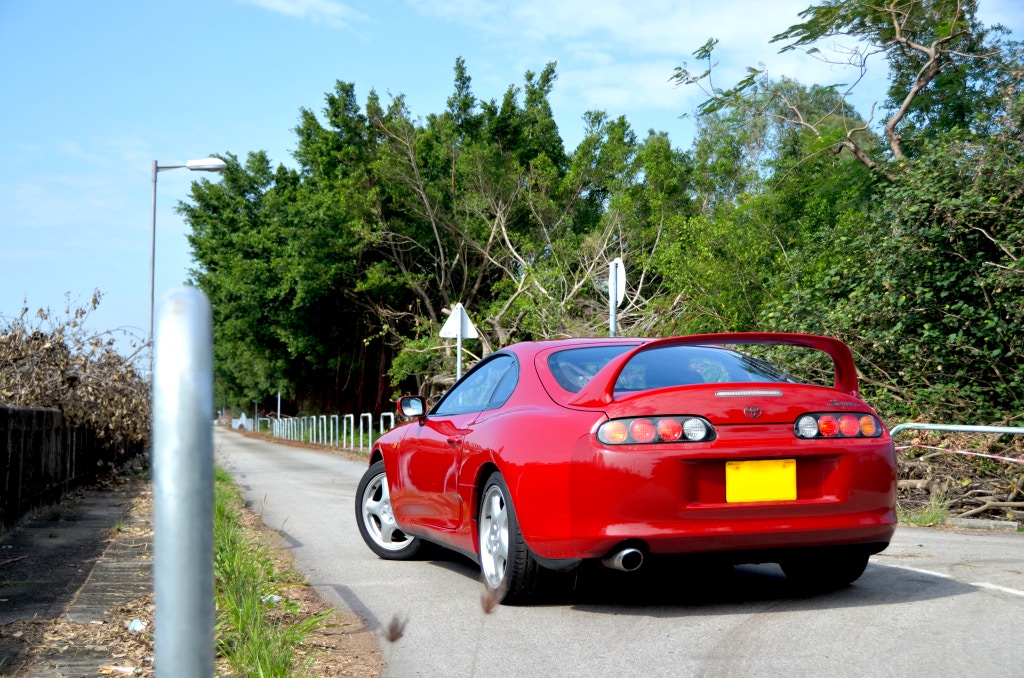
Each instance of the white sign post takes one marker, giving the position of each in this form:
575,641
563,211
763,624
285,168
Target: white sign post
459,327
616,291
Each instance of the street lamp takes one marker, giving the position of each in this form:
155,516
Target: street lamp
201,165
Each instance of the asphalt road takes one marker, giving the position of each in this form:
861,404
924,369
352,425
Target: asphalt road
936,603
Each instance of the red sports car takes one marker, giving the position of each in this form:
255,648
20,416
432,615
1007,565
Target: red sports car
550,453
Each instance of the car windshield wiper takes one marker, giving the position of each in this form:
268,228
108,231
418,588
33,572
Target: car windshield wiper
765,368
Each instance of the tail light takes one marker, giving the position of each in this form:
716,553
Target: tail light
836,425
643,430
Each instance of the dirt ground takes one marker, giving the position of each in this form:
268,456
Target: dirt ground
42,630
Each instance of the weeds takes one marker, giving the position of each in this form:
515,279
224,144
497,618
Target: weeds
256,631
934,512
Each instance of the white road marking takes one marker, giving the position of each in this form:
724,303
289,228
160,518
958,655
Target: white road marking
1004,589
928,572
981,585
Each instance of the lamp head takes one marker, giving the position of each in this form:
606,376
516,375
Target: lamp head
207,165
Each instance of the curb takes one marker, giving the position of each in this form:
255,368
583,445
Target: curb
983,524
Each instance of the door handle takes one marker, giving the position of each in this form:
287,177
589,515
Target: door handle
454,440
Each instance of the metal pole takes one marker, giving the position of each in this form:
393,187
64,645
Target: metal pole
204,165
183,485
1003,430
613,297
458,356
152,268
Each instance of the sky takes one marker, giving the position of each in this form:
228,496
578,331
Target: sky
94,92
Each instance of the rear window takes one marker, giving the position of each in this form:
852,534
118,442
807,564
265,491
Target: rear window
684,365
574,367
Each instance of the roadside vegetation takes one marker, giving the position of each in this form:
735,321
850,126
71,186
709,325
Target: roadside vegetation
260,630
933,511
49,359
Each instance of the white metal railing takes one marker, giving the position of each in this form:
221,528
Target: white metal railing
961,428
331,430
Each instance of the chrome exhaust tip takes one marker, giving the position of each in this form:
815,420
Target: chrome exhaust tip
626,560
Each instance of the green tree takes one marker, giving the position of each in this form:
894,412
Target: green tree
938,54
927,284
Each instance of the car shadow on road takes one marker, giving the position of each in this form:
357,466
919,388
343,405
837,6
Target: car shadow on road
678,586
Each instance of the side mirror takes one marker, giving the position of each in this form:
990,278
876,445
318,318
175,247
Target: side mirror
412,407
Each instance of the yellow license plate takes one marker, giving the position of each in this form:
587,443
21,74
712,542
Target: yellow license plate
765,480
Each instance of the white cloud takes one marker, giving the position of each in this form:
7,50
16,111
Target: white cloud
613,53
330,12
653,27
619,86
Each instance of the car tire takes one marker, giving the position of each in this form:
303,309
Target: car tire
510,573
376,520
826,570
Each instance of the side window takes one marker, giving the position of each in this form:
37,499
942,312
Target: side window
479,390
505,387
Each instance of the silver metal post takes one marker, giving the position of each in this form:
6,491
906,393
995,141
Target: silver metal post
458,356
203,165
183,485
613,294
1003,430
152,268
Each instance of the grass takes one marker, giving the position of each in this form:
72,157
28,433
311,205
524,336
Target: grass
935,512
258,631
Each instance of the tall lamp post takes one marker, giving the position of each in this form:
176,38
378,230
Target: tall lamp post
201,165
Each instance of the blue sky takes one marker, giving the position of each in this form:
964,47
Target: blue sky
94,92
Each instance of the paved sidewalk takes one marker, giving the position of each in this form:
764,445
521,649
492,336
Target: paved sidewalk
69,576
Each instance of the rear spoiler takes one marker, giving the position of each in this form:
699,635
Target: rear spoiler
599,390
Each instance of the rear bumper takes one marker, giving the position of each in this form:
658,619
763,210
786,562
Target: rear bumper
672,500
760,536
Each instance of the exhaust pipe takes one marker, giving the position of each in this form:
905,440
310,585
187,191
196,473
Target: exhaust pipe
626,560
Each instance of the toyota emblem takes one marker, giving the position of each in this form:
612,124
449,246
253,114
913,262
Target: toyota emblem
752,412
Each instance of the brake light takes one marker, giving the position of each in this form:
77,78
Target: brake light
643,430
670,430
837,426
849,425
828,426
